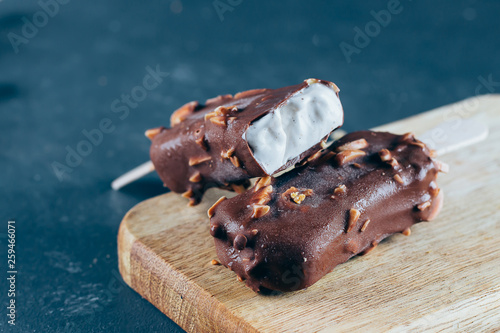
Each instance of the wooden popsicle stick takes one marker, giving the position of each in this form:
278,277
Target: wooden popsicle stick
444,138
132,175
451,136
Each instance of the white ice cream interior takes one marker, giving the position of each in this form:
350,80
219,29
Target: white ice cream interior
294,127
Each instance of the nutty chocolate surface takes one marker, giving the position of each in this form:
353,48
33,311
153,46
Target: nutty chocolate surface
205,147
288,232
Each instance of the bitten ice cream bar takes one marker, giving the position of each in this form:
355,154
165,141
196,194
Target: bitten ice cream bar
287,232
230,139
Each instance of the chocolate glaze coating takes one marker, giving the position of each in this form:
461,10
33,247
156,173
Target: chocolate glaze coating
204,147
288,232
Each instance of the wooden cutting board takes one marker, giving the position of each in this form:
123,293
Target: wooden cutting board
444,277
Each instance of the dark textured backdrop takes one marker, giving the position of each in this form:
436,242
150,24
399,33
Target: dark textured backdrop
67,74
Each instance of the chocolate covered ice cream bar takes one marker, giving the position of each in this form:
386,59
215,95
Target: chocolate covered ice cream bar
287,232
230,139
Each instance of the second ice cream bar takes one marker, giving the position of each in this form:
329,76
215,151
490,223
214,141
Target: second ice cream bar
255,133
289,231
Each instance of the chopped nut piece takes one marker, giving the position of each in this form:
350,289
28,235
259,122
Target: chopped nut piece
408,136
151,133
219,112
311,81
417,143
259,211
192,202
432,153
188,194
353,219
313,157
385,155
323,144
196,177
182,113
297,195
393,162
356,165
348,155
365,225
249,93
201,142
298,198
424,205
199,159
398,179
353,145
238,188
340,189
235,161
264,196
210,211
210,115
328,156
434,190
255,232
219,121
222,110
262,182
228,153
215,262
334,86
218,99
407,232
239,278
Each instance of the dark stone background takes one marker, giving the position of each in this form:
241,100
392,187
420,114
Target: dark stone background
66,75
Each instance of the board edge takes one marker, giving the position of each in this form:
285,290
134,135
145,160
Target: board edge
182,294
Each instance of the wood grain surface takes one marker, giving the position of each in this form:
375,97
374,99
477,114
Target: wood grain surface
444,277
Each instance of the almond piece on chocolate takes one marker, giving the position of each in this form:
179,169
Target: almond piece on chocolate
347,156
